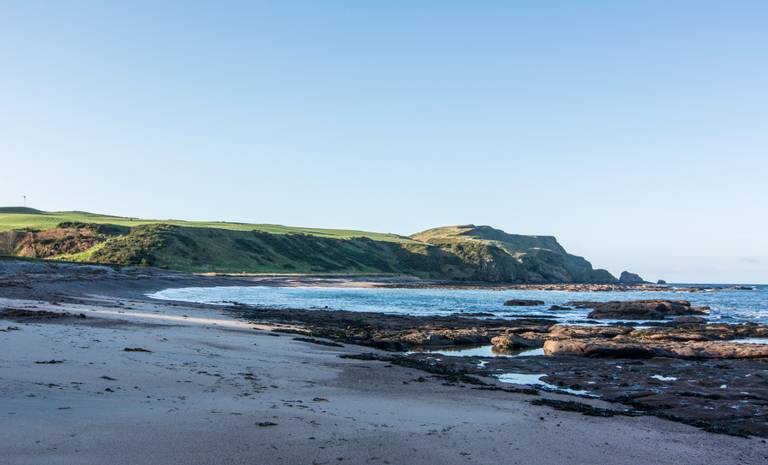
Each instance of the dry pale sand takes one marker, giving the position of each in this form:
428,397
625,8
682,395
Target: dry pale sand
214,390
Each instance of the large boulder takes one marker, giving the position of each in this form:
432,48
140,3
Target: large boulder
619,348
644,310
630,278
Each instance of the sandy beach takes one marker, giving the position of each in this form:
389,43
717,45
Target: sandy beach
126,380
383,232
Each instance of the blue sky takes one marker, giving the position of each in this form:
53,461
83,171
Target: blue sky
636,132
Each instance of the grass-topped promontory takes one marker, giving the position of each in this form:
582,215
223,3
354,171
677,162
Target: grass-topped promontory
471,253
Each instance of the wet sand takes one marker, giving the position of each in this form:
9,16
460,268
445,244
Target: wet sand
214,389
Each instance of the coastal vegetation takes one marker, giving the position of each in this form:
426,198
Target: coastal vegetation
468,253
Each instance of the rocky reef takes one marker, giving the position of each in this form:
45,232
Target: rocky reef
683,369
629,348
641,309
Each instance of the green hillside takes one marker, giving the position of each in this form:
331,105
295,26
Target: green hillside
494,255
29,218
472,253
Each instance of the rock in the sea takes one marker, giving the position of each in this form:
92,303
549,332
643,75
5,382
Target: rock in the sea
618,348
558,307
689,320
583,303
644,310
743,288
630,278
661,282
513,341
523,303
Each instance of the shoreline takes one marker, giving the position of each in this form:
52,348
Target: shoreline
410,282
217,387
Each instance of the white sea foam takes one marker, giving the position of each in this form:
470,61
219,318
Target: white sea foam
664,378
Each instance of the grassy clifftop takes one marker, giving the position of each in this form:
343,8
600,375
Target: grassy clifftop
476,253
27,218
468,233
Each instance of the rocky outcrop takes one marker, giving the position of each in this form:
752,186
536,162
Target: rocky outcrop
620,348
523,303
513,342
699,332
679,340
630,278
580,332
671,332
644,310
488,254
446,337
720,395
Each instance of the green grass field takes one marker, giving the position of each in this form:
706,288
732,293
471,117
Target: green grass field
21,218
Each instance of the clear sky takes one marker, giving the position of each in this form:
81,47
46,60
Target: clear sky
636,132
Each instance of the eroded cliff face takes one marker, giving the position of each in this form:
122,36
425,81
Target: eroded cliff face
65,239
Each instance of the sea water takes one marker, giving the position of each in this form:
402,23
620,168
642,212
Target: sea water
727,305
